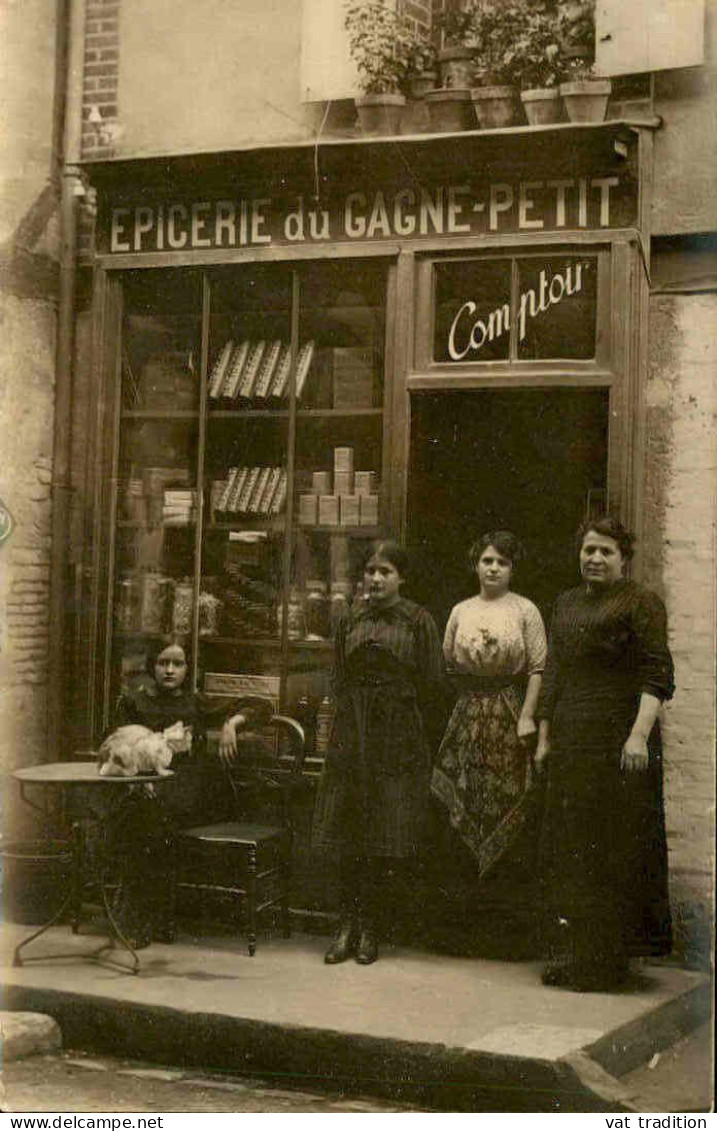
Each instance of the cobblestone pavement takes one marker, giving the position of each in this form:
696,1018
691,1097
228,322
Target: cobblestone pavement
72,1083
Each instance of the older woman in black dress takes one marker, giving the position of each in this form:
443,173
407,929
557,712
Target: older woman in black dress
603,854
374,792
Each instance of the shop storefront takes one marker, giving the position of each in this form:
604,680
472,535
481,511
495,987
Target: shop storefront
298,350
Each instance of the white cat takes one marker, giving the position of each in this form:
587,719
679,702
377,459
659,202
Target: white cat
132,750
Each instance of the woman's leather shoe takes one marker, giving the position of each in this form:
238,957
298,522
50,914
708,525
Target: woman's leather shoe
367,948
343,946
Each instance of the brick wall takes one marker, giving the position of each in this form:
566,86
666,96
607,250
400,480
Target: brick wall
680,562
101,73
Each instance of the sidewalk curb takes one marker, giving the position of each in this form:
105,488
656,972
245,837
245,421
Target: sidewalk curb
433,1075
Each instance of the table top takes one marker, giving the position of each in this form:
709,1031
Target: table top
81,773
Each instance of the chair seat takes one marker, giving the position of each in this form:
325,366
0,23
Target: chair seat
235,832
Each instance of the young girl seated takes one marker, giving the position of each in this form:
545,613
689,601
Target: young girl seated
140,834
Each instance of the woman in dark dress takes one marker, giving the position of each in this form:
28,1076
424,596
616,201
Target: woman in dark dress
603,855
139,835
373,796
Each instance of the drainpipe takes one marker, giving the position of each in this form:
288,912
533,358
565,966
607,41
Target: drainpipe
71,33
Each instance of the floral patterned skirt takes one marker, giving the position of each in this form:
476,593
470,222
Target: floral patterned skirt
482,774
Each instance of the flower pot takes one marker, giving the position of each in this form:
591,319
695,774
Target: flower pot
380,114
421,84
495,106
450,109
586,99
457,67
542,106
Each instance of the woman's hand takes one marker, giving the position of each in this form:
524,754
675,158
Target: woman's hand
526,728
634,753
228,738
543,747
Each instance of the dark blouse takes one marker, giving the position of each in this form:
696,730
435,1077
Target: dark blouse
405,631
619,632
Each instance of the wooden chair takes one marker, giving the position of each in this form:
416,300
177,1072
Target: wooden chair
248,858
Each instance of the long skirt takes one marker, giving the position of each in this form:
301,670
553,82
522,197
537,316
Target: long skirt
482,775
373,795
603,855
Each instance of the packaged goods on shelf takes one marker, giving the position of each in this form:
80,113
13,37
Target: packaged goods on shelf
321,482
238,489
303,365
349,514
240,684
368,508
266,370
166,380
182,608
216,494
253,503
308,510
343,483
277,503
251,370
209,611
235,371
340,559
270,489
218,373
353,369
328,510
179,507
364,482
343,461
247,490
134,502
280,380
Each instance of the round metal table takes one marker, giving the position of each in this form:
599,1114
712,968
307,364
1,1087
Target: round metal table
52,778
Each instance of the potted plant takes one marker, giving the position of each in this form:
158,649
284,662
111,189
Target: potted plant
449,106
421,78
380,44
536,56
456,57
495,95
585,94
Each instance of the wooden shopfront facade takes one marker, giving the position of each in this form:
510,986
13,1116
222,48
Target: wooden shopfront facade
430,336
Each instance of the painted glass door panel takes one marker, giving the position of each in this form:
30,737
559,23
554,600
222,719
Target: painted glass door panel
537,308
557,307
472,310
339,452
246,478
156,467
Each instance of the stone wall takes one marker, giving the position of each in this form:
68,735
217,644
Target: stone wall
28,286
680,563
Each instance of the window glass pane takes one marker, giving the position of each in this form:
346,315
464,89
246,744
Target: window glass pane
557,307
472,311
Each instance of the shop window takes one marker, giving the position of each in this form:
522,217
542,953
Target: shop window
532,308
243,492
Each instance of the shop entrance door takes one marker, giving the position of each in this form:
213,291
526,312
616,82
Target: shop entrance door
528,460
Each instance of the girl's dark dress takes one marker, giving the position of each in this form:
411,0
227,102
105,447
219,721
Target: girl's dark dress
603,852
140,834
373,795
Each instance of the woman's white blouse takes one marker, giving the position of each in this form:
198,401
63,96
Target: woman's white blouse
502,637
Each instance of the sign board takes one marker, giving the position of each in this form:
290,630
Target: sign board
560,204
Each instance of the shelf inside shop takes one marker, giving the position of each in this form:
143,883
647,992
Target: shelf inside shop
249,526
160,414
370,532
267,643
139,524
302,413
